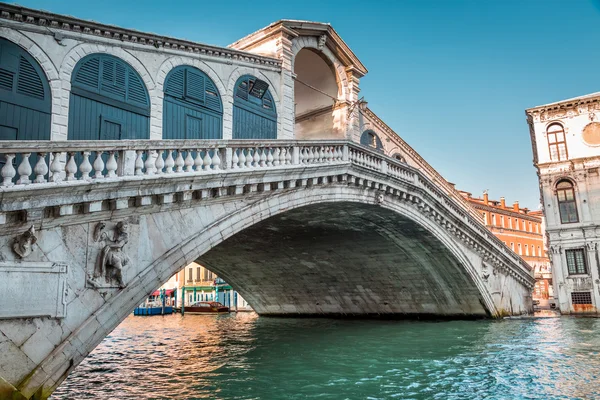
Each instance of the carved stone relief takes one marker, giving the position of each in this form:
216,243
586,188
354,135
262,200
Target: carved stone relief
23,245
111,258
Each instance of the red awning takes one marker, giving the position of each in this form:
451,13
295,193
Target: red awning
168,292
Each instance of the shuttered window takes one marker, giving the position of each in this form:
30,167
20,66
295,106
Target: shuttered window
25,98
192,108
254,111
192,86
111,78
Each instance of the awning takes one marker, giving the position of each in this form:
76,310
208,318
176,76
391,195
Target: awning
168,292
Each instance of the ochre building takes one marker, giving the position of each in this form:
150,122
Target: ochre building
523,231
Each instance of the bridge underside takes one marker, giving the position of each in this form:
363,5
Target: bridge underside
345,259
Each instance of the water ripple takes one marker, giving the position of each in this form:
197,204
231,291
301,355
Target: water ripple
246,357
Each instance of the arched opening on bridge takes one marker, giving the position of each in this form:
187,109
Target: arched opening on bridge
316,92
109,101
254,112
25,99
192,106
345,258
371,139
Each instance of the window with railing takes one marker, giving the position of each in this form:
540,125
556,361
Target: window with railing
576,263
567,206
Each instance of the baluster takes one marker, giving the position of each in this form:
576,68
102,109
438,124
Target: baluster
276,156
207,160
55,167
111,165
189,162
169,162
198,160
234,159
24,170
149,164
99,165
311,156
71,167
263,157
216,160
256,157
8,171
269,157
328,155
139,163
304,156
85,167
321,154
40,169
249,158
179,163
160,163
288,156
242,158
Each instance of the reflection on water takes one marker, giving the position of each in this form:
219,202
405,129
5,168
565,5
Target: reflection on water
246,357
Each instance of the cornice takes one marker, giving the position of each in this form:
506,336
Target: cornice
71,24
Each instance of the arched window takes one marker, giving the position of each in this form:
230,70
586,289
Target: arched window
399,157
109,101
192,108
25,99
254,113
557,142
370,139
567,206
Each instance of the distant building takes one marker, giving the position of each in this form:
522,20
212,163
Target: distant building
196,283
524,232
566,152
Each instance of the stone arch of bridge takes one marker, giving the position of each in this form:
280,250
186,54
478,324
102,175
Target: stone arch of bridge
286,208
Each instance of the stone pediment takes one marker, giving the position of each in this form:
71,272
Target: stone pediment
295,28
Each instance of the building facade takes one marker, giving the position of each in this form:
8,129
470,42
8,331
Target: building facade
196,283
566,152
524,232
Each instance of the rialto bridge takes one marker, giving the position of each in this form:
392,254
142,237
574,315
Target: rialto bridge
125,156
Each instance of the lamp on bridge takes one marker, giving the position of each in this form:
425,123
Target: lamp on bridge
361,103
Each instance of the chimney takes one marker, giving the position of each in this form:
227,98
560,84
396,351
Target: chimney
516,206
502,202
485,198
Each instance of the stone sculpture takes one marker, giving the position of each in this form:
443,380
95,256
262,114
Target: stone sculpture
23,245
112,258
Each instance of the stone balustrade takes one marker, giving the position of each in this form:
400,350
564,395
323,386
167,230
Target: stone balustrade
36,163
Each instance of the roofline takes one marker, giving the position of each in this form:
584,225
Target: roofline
299,27
64,22
585,99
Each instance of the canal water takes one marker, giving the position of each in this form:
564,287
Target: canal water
244,356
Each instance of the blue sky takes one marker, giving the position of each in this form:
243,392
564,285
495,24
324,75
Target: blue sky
451,77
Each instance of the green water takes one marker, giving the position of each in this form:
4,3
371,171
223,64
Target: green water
248,357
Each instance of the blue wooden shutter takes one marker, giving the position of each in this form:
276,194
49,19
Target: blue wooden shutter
108,101
25,100
192,107
254,113
194,87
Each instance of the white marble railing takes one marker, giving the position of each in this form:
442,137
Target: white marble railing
31,163
36,163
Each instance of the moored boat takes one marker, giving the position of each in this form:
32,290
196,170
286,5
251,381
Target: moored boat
204,307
